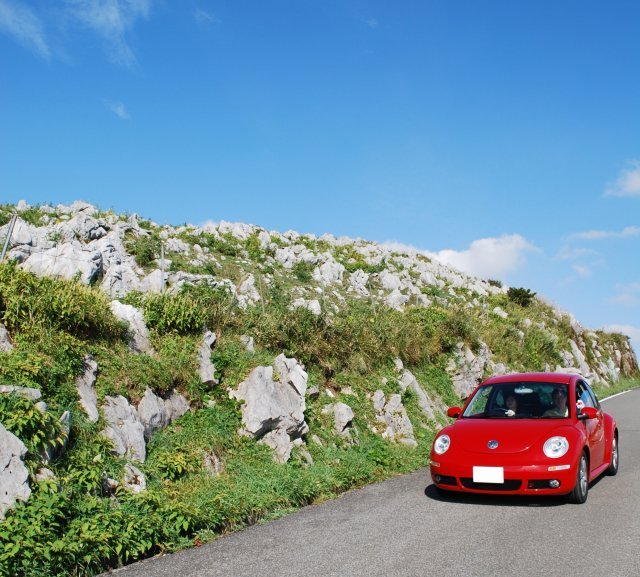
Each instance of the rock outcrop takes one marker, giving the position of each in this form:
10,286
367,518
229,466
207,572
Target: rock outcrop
14,475
273,410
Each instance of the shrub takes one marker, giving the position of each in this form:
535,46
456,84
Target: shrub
145,249
520,296
29,301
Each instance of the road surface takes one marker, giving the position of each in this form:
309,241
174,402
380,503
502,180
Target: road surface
403,528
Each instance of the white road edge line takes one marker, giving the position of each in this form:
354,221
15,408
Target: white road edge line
616,395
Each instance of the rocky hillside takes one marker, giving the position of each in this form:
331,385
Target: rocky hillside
160,385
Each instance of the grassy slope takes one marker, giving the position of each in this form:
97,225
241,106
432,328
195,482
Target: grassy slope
70,527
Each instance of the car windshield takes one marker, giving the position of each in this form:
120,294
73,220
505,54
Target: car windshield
525,400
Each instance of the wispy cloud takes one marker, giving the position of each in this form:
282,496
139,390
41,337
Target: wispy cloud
627,295
489,257
371,22
113,21
627,232
118,109
21,23
204,17
628,183
582,270
572,253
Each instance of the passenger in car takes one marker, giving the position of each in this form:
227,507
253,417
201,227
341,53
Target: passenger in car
559,409
512,405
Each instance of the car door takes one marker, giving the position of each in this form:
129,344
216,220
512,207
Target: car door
594,427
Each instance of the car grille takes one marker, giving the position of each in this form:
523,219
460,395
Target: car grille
508,485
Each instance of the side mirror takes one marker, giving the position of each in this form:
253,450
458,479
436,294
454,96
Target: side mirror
454,412
588,413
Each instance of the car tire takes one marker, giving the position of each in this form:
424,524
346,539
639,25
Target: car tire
581,490
615,457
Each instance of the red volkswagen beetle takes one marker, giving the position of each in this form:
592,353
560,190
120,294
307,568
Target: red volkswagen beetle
526,434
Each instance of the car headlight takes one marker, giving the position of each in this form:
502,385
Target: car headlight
556,447
442,444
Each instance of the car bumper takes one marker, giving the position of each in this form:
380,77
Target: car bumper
525,479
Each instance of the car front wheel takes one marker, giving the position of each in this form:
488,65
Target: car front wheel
615,457
581,489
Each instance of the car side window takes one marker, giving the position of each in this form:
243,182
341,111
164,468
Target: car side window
594,398
584,396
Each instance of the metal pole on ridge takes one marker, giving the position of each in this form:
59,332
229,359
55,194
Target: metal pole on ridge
6,241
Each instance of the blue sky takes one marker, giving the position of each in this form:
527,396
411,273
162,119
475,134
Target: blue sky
501,136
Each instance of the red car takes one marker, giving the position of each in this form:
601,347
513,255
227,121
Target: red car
527,434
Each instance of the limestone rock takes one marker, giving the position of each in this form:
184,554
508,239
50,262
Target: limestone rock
342,417
124,429
5,342
207,369
66,261
14,475
85,385
152,413
176,406
24,392
134,480
139,334
408,381
467,369
329,272
394,415
249,343
292,373
275,407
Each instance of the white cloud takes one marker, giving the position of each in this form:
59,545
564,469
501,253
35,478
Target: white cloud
371,22
628,183
118,109
627,232
113,20
489,257
24,26
402,248
583,271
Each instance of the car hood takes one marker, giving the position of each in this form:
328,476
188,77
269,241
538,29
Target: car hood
512,435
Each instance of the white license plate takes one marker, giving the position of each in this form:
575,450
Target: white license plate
488,475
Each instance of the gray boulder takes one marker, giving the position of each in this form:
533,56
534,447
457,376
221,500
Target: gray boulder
394,415
152,413
342,417
329,272
134,480
14,475
291,373
408,381
66,261
207,369
24,392
5,342
270,405
467,369
176,406
124,429
139,334
249,343
85,385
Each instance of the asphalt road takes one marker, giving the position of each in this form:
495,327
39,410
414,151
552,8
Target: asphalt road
403,528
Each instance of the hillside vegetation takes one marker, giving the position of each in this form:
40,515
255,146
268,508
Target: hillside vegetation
387,335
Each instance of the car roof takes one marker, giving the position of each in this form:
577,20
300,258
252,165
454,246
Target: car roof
561,378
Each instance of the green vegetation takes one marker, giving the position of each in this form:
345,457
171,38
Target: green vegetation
76,525
520,296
